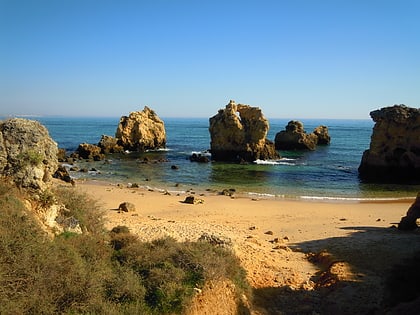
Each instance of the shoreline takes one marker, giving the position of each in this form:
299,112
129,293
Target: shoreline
248,195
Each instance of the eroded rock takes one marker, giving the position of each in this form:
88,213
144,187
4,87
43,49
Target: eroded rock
89,152
394,152
238,133
109,144
141,131
28,155
294,137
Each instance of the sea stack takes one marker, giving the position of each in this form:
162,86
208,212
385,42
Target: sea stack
294,137
394,152
238,134
141,131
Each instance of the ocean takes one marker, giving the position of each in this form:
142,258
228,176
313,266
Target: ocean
329,173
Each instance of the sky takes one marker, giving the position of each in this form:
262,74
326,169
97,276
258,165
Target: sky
184,58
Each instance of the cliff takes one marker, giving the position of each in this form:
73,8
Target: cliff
28,155
394,152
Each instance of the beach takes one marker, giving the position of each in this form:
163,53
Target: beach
301,256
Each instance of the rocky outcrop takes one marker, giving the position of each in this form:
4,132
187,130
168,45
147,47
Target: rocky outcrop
409,221
238,133
394,152
141,131
89,152
294,137
28,155
323,135
109,144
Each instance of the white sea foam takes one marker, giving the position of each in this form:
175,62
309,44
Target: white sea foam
201,153
159,150
349,199
262,195
283,161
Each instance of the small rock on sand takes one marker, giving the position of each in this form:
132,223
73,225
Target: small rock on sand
126,207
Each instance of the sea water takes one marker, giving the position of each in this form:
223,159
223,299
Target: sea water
328,173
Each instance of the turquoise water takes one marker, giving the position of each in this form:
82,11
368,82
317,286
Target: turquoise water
328,172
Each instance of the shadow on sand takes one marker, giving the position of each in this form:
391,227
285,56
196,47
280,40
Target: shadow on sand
358,274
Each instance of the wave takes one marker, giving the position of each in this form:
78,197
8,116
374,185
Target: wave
283,161
352,199
159,150
328,199
201,153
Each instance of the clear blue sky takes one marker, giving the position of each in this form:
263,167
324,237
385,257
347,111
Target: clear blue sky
291,58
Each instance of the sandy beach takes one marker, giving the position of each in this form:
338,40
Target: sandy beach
301,257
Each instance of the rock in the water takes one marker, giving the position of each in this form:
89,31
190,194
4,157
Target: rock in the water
90,152
141,131
200,158
409,221
238,133
394,152
28,155
294,137
323,135
127,207
109,144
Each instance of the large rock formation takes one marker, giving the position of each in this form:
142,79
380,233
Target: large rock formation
294,137
141,131
394,152
28,155
238,133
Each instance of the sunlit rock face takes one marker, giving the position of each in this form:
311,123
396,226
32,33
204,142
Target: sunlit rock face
394,152
238,134
141,131
28,155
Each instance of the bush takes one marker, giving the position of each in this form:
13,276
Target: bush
96,272
171,270
82,207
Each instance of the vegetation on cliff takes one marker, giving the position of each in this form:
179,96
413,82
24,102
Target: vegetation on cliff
97,271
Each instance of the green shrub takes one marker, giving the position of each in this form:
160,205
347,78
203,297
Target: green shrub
30,157
82,207
89,274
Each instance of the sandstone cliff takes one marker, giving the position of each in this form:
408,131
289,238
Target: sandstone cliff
28,155
238,133
394,152
294,137
141,131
